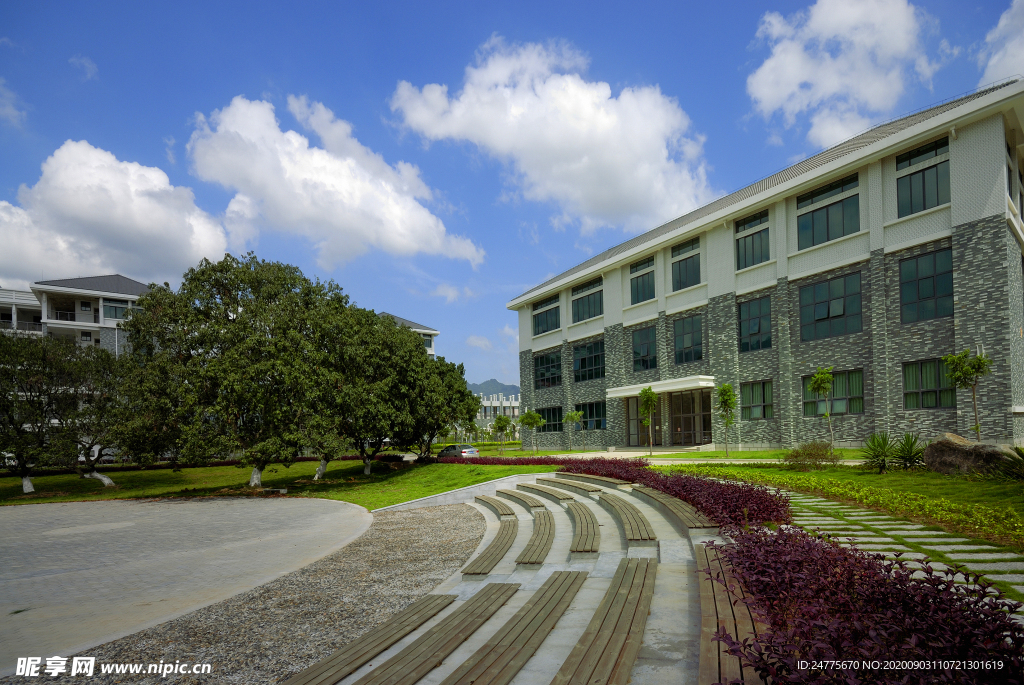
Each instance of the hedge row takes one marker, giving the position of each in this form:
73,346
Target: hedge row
977,520
826,603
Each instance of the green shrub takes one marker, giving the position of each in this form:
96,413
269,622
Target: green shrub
811,455
1013,469
879,450
909,452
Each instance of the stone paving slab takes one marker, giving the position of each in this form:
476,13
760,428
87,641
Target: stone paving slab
1008,577
998,566
968,556
915,533
900,526
956,548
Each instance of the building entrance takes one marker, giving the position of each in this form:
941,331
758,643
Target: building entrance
691,417
636,431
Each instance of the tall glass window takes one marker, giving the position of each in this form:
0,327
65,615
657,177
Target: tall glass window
926,385
752,249
552,419
926,286
828,223
830,308
592,302
688,339
756,324
547,370
548,320
645,349
756,401
847,395
923,189
686,272
588,361
595,415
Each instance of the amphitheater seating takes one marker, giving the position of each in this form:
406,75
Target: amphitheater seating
489,558
501,509
605,481
579,487
540,542
586,534
522,498
635,526
674,509
559,496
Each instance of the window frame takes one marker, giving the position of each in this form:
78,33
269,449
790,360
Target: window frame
548,414
905,189
767,411
696,346
551,360
946,299
922,153
593,371
642,283
684,271
762,238
589,306
595,415
940,391
651,359
748,336
752,221
845,301
824,192
844,209
819,403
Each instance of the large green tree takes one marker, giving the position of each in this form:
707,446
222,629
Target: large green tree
439,400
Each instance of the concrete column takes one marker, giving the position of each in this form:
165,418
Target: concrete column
45,307
14,316
102,321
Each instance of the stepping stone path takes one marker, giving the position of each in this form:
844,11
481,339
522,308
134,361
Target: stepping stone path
875,532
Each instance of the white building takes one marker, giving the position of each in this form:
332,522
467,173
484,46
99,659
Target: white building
428,334
493,406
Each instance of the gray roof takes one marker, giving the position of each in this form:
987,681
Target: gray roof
114,283
409,324
833,153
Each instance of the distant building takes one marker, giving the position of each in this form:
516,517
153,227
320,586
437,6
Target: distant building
493,406
86,310
428,334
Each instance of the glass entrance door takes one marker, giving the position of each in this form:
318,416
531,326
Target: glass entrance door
636,431
691,417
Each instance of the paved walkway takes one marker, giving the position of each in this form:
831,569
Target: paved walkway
83,573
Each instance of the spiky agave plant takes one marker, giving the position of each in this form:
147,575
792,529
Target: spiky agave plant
879,449
910,452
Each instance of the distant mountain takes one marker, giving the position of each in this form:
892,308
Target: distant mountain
493,387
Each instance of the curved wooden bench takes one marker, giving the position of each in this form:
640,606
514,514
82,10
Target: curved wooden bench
540,542
352,656
490,557
586,535
432,647
635,526
522,498
605,481
559,496
579,487
722,607
508,650
608,648
497,506
674,509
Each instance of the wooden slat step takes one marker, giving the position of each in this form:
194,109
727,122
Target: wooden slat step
560,496
540,542
489,558
576,486
607,650
586,535
596,480
496,505
635,526
432,647
684,514
349,658
508,650
527,501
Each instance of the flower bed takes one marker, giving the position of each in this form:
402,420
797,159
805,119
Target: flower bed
826,603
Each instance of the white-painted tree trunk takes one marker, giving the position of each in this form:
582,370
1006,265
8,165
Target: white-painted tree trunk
107,483
366,467
256,479
321,470
26,485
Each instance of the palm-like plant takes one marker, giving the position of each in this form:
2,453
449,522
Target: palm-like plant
878,450
909,452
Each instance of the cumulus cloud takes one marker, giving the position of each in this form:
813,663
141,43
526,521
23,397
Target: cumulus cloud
842,63
1003,54
169,149
449,292
9,106
91,213
626,160
343,197
88,67
479,341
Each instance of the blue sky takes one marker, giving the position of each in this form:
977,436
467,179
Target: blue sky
435,162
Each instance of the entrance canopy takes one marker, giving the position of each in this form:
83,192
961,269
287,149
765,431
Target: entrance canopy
670,385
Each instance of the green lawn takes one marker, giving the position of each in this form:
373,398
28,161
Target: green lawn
344,481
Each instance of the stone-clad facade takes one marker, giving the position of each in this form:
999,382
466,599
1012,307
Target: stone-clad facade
980,224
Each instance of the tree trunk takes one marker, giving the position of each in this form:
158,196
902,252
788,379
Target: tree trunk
256,479
366,466
321,470
977,421
107,483
26,485
726,441
650,438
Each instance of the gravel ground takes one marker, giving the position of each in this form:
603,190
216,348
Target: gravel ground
270,632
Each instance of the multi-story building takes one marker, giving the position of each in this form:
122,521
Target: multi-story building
493,406
428,334
87,310
875,257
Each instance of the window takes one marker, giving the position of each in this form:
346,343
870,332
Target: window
756,324
847,395
645,349
595,415
114,309
685,272
689,339
86,306
688,246
552,419
637,434
830,308
926,286
752,221
756,401
547,320
641,288
588,306
752,249
428,341
86,336
547,370
828,223
926,386
923,189
825,192
588,361
923,153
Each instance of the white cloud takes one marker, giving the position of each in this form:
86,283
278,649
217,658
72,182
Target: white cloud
9,110
343,197
1003,54
478,341
512,333
7,41
604,160
169,149
449,292
843,63
91,214
88,67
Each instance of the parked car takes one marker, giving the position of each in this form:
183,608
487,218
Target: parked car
459,451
